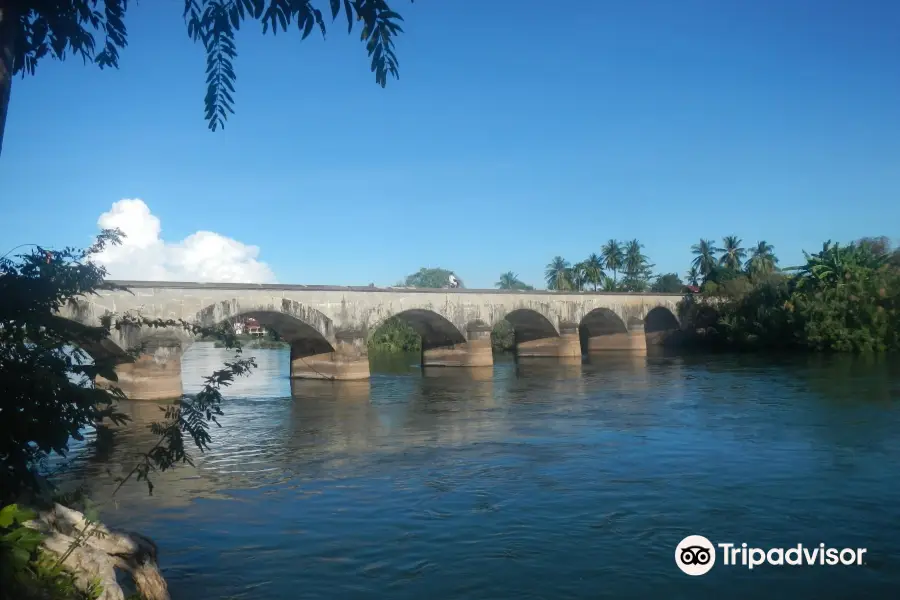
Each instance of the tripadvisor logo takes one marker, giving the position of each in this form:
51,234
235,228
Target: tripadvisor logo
696,555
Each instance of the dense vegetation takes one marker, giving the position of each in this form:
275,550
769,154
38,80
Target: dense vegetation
843,299
395,335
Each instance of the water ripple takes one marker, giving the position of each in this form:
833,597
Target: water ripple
543,481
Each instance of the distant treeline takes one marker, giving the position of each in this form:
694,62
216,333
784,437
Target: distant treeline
843,299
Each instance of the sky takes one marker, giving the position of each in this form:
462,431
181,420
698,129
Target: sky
516,132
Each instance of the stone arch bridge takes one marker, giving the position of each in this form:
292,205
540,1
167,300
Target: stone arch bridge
327,327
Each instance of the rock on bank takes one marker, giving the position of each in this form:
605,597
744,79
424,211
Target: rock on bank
100,552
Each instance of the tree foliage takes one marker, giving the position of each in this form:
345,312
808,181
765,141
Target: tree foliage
503,337
733,254
395,335
53,389
637,268
704,257
511,281
95,31
590,273
693,276
843,299
430,278
558,274
669,283
613,257
593,273
762,260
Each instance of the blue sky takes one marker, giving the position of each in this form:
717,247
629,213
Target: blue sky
514,134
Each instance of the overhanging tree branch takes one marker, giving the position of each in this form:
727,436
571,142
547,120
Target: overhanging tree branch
40,29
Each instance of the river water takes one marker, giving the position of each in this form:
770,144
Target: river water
532,480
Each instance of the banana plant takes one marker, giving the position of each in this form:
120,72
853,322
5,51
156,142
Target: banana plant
836,264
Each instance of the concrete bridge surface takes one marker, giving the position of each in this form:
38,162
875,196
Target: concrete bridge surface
327,326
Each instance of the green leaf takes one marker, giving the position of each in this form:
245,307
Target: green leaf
11,513
7,515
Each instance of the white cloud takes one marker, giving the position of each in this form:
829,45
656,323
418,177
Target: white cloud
202,256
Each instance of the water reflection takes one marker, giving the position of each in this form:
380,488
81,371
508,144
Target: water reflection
311,390
521,479
270,379
568,367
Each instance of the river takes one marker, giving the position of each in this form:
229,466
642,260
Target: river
527,481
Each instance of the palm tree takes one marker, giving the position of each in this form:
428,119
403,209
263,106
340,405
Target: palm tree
693,276
704,257
578,275
593,270
558,274
636,267
762,259
635,260
732,253
613,257
508,281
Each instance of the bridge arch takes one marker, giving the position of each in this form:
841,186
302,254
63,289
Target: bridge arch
602,321
530,325
122,340
660,318
307,330
598,324
435,330
659,325
106,349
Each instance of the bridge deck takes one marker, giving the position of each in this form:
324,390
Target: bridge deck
189,285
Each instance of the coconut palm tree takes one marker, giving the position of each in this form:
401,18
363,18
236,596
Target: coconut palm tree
762,259
636,267
732,253
558,274
704,257
635,260
593,270
693,276
613,257
578,275
509,281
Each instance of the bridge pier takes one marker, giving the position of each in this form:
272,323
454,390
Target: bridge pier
634,340
155,375
475,352
347,362
566,345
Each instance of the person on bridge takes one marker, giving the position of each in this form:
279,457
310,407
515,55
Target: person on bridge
454,282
